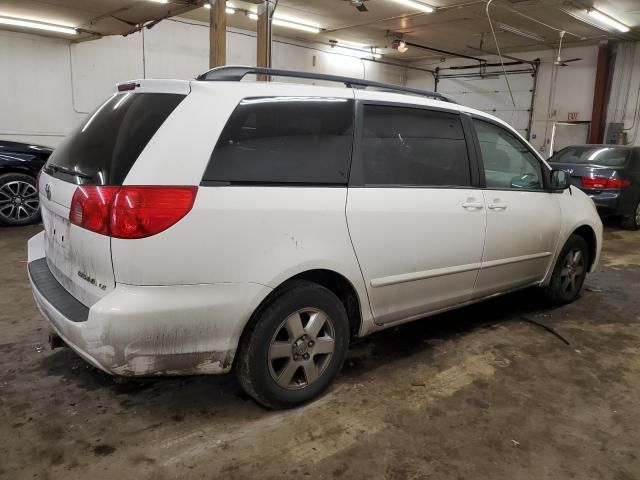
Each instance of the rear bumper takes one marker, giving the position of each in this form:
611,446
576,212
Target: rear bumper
615,202
607,203
153,330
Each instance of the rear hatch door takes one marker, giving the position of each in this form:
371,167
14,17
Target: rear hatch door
100,152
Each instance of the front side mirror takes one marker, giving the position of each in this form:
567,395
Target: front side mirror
559,180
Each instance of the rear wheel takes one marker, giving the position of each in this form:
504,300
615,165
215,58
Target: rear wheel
295,346
632,222
569,272
19,203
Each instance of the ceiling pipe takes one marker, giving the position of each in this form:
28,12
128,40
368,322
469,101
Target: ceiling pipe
445,52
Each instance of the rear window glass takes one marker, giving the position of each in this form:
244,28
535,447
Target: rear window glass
605,156
102,150
285,140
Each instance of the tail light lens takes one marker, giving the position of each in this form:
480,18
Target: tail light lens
140,212
91,208
130,211
604,183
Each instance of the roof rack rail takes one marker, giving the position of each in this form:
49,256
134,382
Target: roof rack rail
237,73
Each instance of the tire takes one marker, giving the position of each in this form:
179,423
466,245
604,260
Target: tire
569,272
280,353
632,222
19,203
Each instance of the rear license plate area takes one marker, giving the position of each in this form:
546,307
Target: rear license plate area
57,234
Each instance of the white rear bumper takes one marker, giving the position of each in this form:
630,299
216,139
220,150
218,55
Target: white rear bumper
158,330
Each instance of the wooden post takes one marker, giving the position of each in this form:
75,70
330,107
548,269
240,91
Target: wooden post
263,38
600,93
218,33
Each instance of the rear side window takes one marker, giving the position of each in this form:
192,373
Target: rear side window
102,150
285,140
413,147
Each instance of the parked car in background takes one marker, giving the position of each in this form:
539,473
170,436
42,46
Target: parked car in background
20,164
287,219
609,174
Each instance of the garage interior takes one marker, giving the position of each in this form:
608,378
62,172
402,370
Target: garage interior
507,389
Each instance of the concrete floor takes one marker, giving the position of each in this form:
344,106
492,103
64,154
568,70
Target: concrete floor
478,393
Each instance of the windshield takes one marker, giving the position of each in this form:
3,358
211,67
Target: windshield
605,156
102,150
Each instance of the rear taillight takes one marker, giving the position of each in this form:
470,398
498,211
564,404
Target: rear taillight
130,211
91,208
604,183
618,183
140,212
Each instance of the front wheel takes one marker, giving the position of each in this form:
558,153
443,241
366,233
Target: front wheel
294,347
569,272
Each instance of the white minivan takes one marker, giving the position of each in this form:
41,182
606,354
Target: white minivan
192,227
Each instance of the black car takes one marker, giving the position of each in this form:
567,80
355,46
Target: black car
19,167
609,174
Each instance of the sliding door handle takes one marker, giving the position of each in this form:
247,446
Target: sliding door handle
472,205
497,206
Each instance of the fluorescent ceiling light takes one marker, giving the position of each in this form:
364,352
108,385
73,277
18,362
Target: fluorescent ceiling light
416,4
159,1
607,20
230,8
290,23
351,48
298,26
522,33
17,22
230,11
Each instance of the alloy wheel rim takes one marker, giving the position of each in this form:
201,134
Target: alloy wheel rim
573,270
301,348
18,201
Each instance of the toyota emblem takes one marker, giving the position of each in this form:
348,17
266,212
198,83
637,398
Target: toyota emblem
47,189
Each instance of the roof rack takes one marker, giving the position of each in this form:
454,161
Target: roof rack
237,73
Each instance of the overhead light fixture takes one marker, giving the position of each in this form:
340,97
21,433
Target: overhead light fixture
607,20
423,7
290,22
230,8
159,1
351,48
399,44
298,26
522,33
18,22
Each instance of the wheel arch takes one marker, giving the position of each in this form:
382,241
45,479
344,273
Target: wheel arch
589,236
330,279
7,169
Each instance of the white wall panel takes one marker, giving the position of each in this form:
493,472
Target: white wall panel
98,66
53,83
